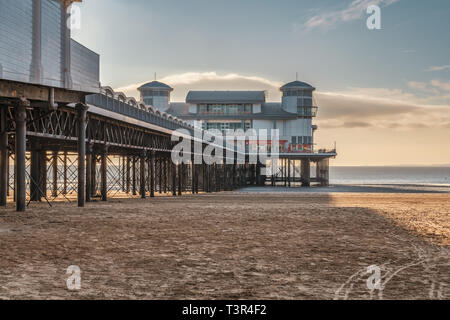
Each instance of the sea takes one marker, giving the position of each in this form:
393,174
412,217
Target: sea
426,176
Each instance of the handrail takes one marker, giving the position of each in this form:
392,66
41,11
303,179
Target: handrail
112,104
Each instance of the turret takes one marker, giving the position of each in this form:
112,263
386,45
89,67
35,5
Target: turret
298,98
156,94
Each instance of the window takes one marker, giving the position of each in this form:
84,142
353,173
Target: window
304,140
225,109
294,140
305,111
148,101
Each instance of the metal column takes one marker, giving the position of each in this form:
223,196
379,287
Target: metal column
55,174
4,155
180,179
82,113
64,192
128,175
306,173
89,152
165,162
133,169
174,179
152,174
142,174
35,173
104,171
20,149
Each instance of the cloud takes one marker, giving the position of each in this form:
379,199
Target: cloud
365,108
422,86
438,68
418,85
441,85
354,11
192,77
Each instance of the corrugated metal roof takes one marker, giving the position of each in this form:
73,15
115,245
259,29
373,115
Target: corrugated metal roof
269,111
226,97
156,85
275,110
297,84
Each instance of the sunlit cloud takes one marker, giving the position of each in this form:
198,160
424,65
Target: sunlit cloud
441,85
379,108
354,11
192,77
184,82
438,68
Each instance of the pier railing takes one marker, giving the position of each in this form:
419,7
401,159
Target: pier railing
138,111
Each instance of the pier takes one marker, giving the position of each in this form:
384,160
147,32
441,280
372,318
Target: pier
64,137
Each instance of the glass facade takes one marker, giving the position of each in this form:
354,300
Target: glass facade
302,140
307,111
148,101
154,93
297,93
225,109
245,125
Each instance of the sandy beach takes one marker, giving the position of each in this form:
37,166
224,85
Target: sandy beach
240,245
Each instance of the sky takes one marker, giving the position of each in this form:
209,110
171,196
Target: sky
384,95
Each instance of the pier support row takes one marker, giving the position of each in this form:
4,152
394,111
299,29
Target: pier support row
139,171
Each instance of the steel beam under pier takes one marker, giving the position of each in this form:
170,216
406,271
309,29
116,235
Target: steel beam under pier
127,174
104,171
160,174
306,173
35,173
134,181
164,172
43,171
174,180
89,155
55,174
323,172
193,174
142,174
20,151
180,179
81,113
4,155
152,174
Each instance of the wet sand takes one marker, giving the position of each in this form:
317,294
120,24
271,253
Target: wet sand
231,246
